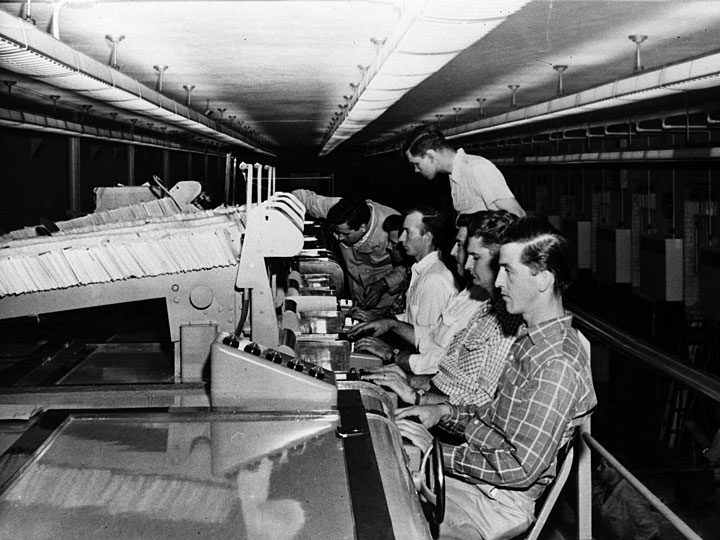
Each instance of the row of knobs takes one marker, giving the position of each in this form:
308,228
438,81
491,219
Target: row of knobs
274,356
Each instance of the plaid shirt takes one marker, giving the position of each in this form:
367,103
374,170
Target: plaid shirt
469,372
513,442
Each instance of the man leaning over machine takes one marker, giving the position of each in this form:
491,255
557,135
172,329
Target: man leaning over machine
357,224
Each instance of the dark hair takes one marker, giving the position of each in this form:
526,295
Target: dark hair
545,249
434,222
354,212
424,138
491,226
464,220
393,223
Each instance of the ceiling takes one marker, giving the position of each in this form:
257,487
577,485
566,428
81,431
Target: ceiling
289,73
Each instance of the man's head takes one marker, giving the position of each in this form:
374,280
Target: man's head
536,263
485,235
460,246
393,226
349,220
422,230
423,148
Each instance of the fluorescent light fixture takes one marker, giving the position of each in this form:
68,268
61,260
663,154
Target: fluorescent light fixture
696,74
428,36
26,50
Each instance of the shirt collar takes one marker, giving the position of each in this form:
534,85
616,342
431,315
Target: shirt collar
547,328
370,226
425,263
459,157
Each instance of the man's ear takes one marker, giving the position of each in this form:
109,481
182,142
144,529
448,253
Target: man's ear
431,154
546,280
429,238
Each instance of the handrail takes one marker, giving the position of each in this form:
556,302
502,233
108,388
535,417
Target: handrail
668,514
696,379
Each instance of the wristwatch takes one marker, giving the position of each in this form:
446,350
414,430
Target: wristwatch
393,356
418,396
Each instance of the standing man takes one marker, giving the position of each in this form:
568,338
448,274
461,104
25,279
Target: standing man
475,183
511,449
357,225
432,285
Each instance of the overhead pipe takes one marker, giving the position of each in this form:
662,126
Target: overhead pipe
28,12
55,23
637,40
258,172
114,41
248,182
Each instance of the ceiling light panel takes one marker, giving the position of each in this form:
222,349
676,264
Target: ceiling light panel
28,51
429,34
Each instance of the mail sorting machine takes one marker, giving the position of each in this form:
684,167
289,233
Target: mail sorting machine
289,450
202,263
249,466
284,454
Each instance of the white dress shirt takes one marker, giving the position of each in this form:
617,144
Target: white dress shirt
432,286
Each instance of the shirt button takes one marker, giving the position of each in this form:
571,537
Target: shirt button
476,422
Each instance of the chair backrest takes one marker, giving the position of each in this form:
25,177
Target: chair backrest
548,499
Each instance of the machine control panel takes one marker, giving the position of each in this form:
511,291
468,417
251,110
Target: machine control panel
244,375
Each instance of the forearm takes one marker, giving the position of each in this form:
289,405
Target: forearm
404,330
316,205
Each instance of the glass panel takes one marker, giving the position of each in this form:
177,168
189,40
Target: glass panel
220,477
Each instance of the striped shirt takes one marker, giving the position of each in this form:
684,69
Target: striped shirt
469,372
513,442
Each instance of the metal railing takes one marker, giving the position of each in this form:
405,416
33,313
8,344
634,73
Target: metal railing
700,381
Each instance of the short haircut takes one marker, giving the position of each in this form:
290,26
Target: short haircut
433,222
424,138
545,249
393,223
354,212
491,226
464,220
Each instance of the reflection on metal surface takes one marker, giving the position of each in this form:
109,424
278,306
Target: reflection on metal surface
330,354
209,477
321,322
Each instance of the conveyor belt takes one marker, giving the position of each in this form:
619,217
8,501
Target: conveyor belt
370,507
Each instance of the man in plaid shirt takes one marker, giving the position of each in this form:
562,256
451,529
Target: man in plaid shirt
511,448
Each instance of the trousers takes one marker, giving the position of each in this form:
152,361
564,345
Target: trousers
484,512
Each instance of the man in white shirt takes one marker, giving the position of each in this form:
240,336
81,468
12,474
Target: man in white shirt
475,183
433,343
432,285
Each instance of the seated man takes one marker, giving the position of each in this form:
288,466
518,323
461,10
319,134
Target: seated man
470,369
433,344
357,224
432,285
511,448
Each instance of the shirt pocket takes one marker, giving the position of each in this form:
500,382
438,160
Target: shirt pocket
475,353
